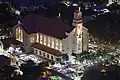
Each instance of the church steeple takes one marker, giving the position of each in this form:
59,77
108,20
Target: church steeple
77,19
77,22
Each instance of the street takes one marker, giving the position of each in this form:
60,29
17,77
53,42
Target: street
94,73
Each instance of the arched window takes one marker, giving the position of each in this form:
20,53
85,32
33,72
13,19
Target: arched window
19,34
52,42
48,40
37,40
40,53
45,40
56,44
41,39
48,56
52,57
60,45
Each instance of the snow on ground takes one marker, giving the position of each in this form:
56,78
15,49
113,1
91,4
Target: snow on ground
25,57
21,58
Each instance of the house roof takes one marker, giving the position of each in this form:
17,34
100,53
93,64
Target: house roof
5,59
34,23
46,49
8,41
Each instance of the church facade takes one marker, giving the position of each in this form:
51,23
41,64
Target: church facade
51,38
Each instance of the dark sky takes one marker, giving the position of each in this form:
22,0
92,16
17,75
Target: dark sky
31,1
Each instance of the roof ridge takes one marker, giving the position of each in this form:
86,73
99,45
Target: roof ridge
39,23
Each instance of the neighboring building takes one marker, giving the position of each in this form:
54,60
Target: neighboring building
9,42
50,38
112,1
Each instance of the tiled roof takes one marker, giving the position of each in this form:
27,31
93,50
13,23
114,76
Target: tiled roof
33,23
46,49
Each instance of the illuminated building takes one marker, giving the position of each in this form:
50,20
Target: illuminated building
50,38
112,1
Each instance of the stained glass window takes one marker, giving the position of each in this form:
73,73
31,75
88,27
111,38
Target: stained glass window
19,34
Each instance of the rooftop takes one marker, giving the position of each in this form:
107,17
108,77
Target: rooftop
46,49
8,41
34,23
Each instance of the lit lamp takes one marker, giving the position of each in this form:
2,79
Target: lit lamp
103,70
46,74
11,60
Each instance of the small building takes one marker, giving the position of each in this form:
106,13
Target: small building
9,42
112,1
50,38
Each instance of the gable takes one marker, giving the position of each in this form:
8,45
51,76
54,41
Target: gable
14,30
17,26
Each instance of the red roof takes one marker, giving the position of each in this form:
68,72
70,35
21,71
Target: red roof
46,49
33,23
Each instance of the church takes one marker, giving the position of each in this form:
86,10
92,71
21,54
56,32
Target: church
50,38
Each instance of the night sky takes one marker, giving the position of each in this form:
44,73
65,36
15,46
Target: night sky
27,2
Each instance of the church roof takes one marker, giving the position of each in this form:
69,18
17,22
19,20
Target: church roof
34,23
46,49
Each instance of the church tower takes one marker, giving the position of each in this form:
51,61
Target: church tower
79,33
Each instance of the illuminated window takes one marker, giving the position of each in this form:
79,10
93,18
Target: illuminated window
52,42
56,44
60,45
41,39
44,39
37,40
48,42
19,34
